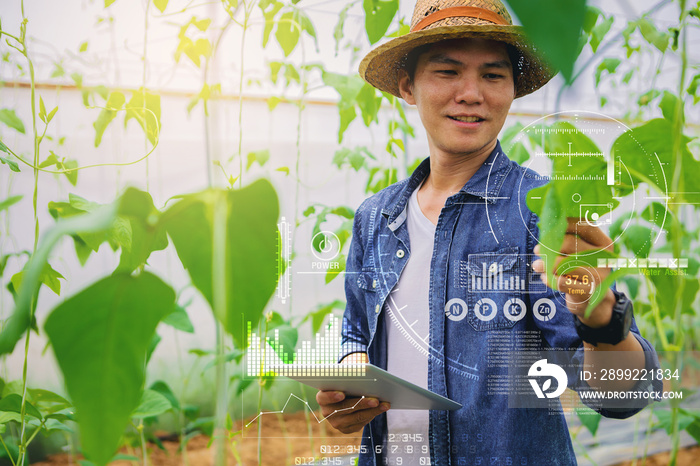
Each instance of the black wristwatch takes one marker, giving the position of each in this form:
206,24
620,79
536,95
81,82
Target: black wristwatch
617,329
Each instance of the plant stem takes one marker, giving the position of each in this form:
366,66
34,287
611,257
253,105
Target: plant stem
677,232
143,84
142,436
247,9
220,208
23,36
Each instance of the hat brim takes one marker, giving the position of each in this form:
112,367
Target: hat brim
381,66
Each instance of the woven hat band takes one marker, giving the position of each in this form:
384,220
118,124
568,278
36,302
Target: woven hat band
465,11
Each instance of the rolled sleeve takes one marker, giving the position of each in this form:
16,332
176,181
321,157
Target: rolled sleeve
355,335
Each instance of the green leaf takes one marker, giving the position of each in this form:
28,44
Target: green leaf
640,146
599,32
591,18
42,110
288,32
667,301
180,320
100,337
369,104
143,234
338,29
161,5
71,174
109,2
554,27
332,274
96,221
165,390
378,17
347,115
668,105
639,239
48,277
115,102
656,214
609,65
13,404
589,418
269,19
652,35
246,219
48,401
261,156
693,88
10,201
83,47
152,404
145,112
11,163
665,419
202,24
10,118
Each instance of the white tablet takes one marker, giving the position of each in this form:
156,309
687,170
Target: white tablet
357,380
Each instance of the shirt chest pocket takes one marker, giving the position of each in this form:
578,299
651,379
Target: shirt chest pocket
496,285
367,282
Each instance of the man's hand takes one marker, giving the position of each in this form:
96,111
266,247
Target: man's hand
579,283
351,414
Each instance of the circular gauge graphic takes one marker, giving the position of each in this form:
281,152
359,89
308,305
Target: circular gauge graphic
514,309
328,245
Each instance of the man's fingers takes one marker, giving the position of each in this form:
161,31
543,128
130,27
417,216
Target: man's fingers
589,233
351,414
329,397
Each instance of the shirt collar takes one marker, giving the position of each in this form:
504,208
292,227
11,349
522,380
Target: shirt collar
486,183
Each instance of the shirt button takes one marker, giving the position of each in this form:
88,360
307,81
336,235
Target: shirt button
400,253
376,309
493,268
374,283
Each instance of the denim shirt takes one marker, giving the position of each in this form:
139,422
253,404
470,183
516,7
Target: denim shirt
487,216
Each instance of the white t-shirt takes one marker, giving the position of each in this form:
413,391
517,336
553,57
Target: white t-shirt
407,323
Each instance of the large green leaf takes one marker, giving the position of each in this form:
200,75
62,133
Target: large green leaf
231,236
378,17
100,337
554,27
638,149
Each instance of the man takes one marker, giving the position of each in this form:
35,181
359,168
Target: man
423,249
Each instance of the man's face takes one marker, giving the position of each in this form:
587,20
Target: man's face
463,90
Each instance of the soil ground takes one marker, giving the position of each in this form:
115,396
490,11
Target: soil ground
290,445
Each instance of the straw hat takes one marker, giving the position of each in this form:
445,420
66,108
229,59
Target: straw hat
437,20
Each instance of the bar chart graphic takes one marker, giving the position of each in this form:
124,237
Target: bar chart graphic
495,273
268,355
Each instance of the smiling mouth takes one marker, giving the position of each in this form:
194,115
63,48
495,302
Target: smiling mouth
467,119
